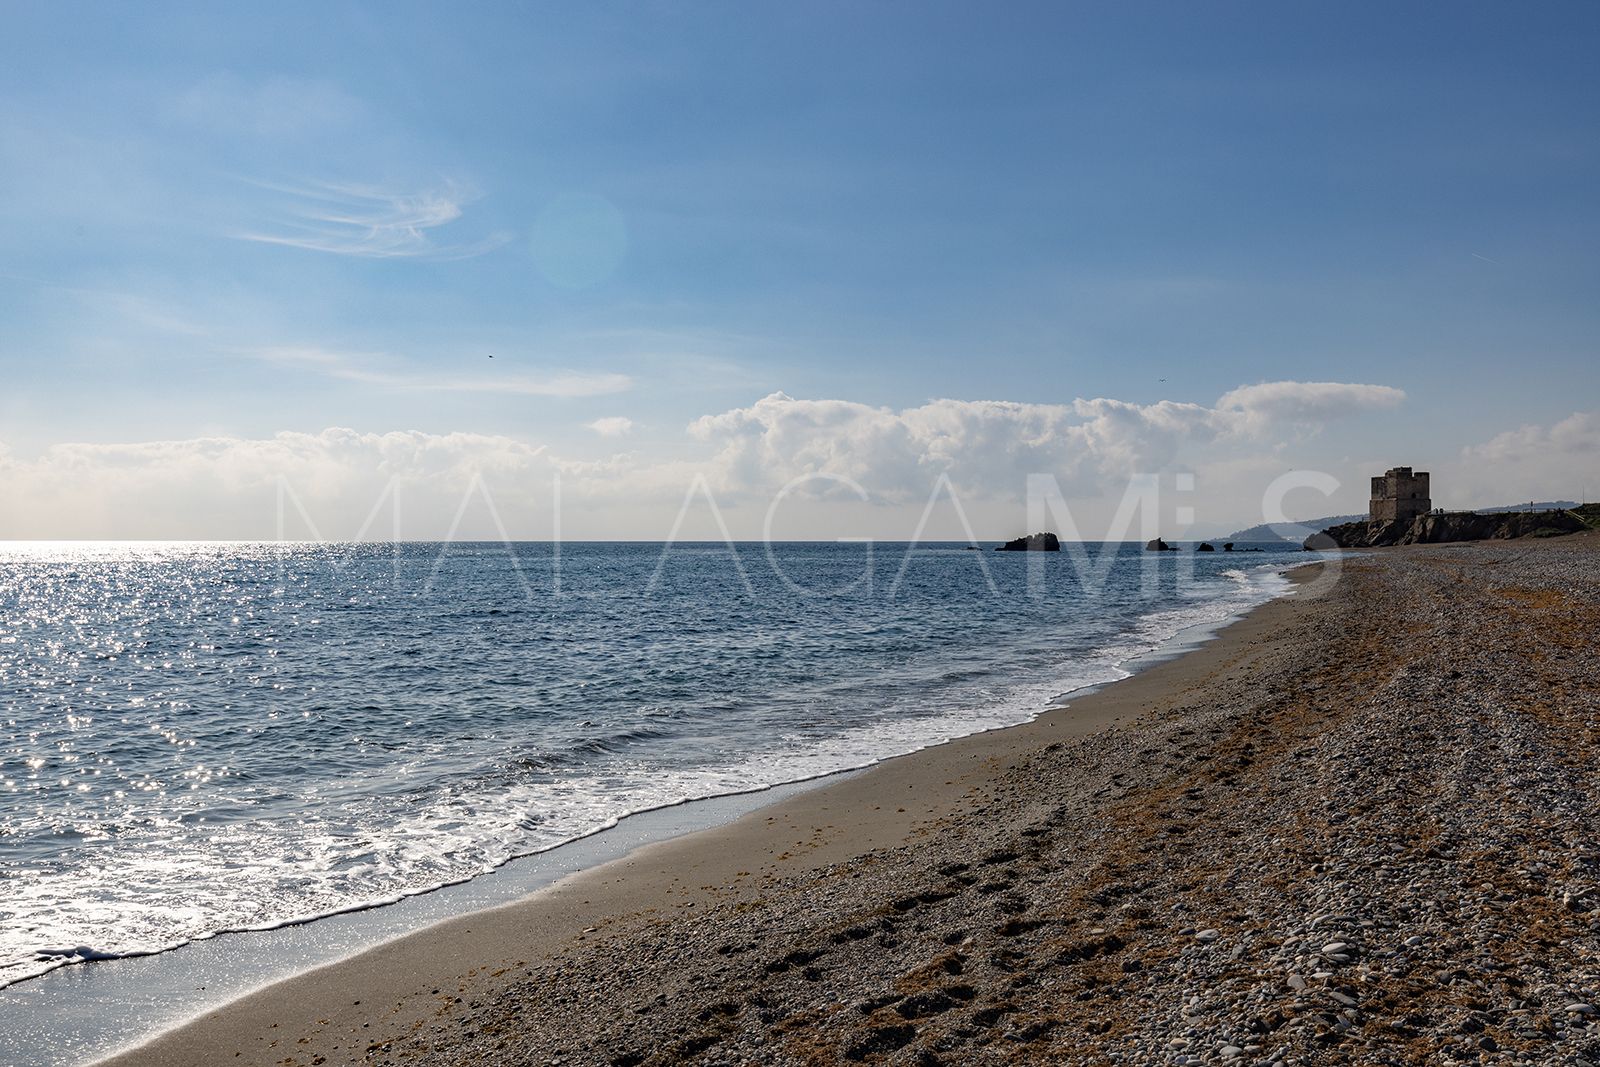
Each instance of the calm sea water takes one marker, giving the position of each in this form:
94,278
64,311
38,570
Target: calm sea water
198,738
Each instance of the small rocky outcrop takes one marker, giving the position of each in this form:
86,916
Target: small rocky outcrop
1227,546
1039,542
1158,545
1207,546
1442,527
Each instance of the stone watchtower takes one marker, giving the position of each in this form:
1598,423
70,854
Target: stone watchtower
1398,495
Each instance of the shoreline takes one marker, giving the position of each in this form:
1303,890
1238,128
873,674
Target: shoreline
234,964
843,760
680,871
239,963
1362,836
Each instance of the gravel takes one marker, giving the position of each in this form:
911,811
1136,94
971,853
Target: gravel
1369,839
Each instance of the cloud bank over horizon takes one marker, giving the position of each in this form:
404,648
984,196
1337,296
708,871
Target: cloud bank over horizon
870,467
1559,461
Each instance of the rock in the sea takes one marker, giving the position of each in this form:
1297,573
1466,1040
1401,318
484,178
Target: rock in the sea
1205,546
1158,545
1227,546
1039,542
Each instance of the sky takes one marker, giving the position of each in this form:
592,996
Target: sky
819,270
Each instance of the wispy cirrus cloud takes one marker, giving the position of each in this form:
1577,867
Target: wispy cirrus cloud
372,222
380,370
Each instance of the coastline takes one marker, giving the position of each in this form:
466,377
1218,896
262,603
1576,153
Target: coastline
87,1012
820,824
412,845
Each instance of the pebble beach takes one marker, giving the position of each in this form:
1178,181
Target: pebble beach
1357,828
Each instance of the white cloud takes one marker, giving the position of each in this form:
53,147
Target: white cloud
612,426
1311,404
373,222
1559,461
987,446
228,487
1577,435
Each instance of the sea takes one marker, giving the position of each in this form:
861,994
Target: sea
199,738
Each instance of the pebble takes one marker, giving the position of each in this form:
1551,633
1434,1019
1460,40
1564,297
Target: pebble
1402,795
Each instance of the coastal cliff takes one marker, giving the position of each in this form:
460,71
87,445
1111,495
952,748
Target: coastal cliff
1442,527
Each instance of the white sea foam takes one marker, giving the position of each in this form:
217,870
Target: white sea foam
157,870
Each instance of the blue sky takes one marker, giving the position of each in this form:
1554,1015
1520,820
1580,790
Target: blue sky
222,223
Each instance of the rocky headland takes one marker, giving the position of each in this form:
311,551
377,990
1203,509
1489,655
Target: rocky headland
1443,527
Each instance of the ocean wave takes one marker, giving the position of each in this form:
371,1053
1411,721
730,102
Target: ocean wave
368,787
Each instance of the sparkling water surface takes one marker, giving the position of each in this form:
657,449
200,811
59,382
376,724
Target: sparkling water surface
205,737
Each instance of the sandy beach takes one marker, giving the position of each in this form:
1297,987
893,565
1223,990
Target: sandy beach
1357,827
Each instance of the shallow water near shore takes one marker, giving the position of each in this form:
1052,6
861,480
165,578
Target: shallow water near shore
210,737
80,1014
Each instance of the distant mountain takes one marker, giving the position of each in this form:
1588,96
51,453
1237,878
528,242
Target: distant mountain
1265,532
1305,528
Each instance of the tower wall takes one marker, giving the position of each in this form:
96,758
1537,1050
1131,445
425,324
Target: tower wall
1400,495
